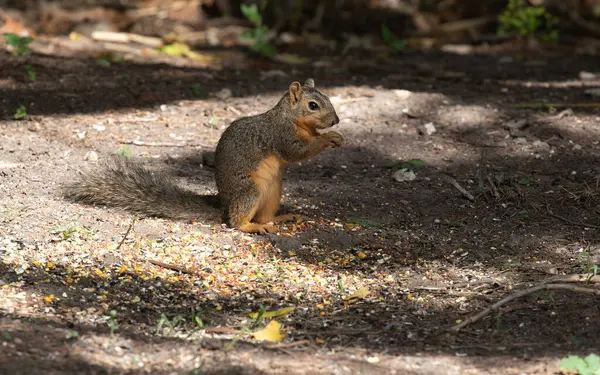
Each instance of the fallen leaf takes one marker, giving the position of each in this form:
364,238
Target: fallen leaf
272,332
49,299
272,314
356,296
75,36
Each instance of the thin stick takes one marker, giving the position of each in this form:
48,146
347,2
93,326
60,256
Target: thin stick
520,294
171,267
579,224
152,144
127,233
576,278
458,187
334,332
494,190
116,37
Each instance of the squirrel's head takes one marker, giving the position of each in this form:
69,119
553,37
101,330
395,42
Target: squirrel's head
312,107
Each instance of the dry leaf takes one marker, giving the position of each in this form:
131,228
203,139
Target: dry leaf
272,332
356,296
75,36
272,314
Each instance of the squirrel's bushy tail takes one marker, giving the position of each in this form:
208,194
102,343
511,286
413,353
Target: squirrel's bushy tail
129,185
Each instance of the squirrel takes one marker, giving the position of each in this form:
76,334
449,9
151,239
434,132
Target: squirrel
250,158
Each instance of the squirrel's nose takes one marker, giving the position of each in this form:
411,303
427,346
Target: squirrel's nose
336,120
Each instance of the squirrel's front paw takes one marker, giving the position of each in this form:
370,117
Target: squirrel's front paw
334,139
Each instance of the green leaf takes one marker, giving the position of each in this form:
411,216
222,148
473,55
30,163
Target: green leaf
251,13
394,43
21,113
387,34
18,42
123,151
588,366
11,39
199,91
103,62
573,363
593,361
30,72
524,181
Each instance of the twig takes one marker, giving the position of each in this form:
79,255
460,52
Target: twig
116,37
494,190
495,306
152,144
485,281
171,267
576,278
579,224
581,22
462,190
481,282
334,332
127,233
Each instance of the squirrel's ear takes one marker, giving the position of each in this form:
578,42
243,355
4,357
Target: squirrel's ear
310,83
295,92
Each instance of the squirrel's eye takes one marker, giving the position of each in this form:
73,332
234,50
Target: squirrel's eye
313,106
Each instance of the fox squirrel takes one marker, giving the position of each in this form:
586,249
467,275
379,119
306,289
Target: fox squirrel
250,158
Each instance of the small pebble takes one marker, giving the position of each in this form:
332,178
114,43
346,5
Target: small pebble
402,94
91,156
404,175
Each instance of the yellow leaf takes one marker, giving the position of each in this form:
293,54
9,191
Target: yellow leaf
272,332
49,299
272,314
75,36
50,265
361,255
176,49
356,296
123,269
101,274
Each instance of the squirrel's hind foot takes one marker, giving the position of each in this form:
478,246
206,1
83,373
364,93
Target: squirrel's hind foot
257,228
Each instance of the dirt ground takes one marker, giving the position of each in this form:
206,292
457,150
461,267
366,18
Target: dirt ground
428,255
